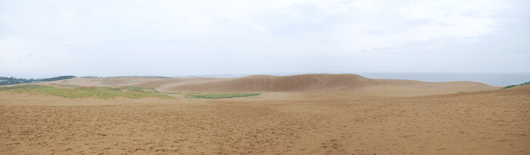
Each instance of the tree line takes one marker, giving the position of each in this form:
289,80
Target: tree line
13,80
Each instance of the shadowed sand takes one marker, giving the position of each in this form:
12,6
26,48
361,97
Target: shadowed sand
301,114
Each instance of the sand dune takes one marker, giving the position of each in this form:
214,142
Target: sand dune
490,122
329,83
296,83
309,83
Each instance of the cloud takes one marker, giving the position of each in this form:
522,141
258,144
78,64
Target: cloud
116,37
417,22
471,13
300,17
373,32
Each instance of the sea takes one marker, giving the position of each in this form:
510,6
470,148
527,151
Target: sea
494,79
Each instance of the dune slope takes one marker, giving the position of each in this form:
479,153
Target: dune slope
264,83
331,83
307,83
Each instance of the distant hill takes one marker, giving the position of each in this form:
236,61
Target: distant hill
13,80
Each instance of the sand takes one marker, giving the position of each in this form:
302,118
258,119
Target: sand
304,114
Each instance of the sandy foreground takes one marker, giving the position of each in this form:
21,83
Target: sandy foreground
370,117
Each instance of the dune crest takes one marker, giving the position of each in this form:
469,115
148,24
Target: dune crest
295,83
321,83
332,83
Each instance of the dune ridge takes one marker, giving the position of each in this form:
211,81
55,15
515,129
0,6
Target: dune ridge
305,83
268,83
331,83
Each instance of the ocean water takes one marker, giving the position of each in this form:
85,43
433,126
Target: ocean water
494,79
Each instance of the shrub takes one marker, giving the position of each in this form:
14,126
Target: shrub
511,86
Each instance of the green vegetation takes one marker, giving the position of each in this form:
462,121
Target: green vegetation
136,89
218,95
511,86
13,80
68,91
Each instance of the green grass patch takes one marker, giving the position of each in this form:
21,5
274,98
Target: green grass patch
113,89
218,95
136,89
86,92
511,86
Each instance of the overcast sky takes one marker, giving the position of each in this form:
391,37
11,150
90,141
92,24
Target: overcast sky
177,37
